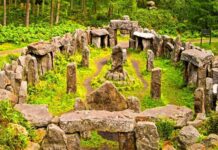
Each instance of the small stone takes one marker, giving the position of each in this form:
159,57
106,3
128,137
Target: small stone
133,103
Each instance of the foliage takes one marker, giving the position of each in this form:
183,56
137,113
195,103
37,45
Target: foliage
36,32
165,128
97,141
9,138
212,123
7,59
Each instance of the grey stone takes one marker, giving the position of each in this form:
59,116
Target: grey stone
37,115
23,92
150,60
7,95
4,81
71,78
156,83
41,48
133,103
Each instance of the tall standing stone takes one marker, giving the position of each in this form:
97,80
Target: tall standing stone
156,83
23,92
71,78
201,78
85,56
150,60
215,75
199,104
32,71
127,141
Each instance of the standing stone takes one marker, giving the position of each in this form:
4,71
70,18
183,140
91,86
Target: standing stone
199,104
85,56
4,81
55,139
202,74
23,92
71,78
133,103
150,60
156,83
32,73
147,137
177,50
215,75
73,141
126,141
124,55
209,94
79,104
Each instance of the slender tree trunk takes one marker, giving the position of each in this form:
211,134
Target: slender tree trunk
71,5
95,6
52,13
38,10
58,12
43,6
27,21
5,13
15,3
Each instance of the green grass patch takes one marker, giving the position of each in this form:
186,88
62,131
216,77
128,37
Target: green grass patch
7,59
51,89
213,47
11,46
97,141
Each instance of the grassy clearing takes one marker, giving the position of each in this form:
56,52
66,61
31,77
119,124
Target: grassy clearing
173,89
51,89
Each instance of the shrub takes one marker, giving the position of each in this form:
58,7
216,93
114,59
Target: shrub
165,128
212,123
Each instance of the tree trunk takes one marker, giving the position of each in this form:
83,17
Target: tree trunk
58,11
52,13
43,6
5,13
38,10
71,5
27,22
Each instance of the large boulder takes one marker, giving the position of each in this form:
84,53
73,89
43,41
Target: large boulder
55,139
211,141
188,136
4,81
7,95
37,115
180,114
105,121
41,48
107,97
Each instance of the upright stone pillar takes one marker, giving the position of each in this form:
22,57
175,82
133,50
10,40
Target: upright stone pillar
147,137
71,78
208,94
150,61
201,79
156,83
23,92
85,56
199,104
215,75
126,141
32,73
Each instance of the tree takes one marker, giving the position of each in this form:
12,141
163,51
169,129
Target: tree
5,13
58,12
52,13
27,20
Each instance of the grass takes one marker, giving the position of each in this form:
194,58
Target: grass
97,141
11,46
213,47
51,89
7,59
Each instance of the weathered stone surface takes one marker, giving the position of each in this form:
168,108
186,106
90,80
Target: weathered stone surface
7,95
32,146
45,63
37,115
127,141
147,137
32,71
40,48
96,41
144,35
199,104
180,114
73,141
85,57
19,73
196,57
168,146
79,104
156,83
133,103
177,50
99,32
202,74
150,60
196,146
124,51
23,92
78,35
105,121
215,75
71,78
55,139
188,136
211,141
4,81
123,24
107,97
